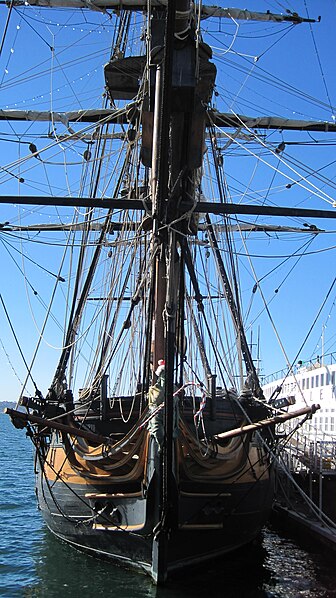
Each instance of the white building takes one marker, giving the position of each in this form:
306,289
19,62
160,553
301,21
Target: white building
310,383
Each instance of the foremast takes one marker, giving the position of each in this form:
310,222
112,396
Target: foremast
183,82
165,298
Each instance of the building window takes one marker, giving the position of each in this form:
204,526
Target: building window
322,379
303,384
312,383
328,378
333,378
316,381
307,383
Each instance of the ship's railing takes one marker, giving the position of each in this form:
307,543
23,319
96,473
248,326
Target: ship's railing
306,453
310,364
304,473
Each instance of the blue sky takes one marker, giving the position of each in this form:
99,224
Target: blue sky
53,60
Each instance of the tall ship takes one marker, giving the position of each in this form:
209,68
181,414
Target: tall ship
154,439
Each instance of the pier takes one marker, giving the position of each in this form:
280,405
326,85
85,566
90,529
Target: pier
306,486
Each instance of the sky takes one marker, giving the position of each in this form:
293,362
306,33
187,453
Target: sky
53,60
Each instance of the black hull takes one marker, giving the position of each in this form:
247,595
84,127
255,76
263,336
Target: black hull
208,523
127,506
183,544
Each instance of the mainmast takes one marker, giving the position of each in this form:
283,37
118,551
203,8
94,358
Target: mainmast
164,324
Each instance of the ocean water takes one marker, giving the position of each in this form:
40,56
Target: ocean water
34,563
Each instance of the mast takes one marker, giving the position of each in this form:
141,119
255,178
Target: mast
164,326
187,79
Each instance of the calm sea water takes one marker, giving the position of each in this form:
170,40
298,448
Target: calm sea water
33,563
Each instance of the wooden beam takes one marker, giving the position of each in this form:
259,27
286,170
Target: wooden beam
236,121
202,207
264,423
224,120
86,116
55,424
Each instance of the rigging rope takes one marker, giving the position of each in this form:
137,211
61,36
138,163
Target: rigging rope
315,190
29,374
320,66
10,8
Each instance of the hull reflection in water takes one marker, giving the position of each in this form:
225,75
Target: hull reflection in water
274,568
